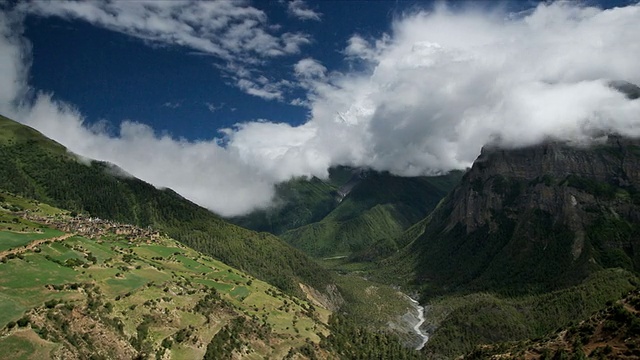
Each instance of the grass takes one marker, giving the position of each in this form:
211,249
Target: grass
11,240
34,271
26,345
15,202
240,292
157,250
121,285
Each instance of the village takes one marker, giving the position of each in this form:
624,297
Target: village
93,227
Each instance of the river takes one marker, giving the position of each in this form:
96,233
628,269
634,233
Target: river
416,328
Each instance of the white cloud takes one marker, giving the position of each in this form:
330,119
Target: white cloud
309,68
360,48
442,84
437,88
202,171
222,28
300,9
266,91
15,59
232,31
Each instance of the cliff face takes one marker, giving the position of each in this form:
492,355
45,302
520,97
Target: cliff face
536,218
552,177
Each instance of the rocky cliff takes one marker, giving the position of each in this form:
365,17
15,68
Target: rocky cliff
535,218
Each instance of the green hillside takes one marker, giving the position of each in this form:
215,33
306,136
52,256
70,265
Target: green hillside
126,292
87,288
298,202
354,212
612,333
39,168
463,322
366,224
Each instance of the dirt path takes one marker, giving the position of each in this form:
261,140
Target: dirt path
32,245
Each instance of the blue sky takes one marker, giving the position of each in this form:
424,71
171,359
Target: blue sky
222,100
114,76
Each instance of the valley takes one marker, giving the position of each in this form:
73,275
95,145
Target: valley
524,233
524,243
319,180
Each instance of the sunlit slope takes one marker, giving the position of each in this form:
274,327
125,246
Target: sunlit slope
119,295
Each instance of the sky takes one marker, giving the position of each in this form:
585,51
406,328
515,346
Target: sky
221,100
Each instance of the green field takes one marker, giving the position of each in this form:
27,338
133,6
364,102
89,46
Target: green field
11,240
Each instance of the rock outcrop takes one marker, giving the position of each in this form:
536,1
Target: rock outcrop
539,217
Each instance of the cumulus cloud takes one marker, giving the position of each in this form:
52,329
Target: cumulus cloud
301,10
309,68
202,171
264,90
359,48
15,58
439,86
444,83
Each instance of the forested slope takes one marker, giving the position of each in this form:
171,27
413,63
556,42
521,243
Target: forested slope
41,169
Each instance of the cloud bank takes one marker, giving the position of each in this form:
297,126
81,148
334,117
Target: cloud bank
437,87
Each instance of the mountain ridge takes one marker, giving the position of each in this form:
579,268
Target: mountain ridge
39,168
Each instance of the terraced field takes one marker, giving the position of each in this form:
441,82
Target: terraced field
118,297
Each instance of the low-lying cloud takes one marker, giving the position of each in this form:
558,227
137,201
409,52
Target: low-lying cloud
437,88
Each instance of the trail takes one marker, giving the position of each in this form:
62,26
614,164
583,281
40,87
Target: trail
335,257
33,244
421,319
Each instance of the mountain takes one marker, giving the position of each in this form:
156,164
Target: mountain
78,287
530,240
36,167
354,212
533,219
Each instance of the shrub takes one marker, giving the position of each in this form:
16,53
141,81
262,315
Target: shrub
23,321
